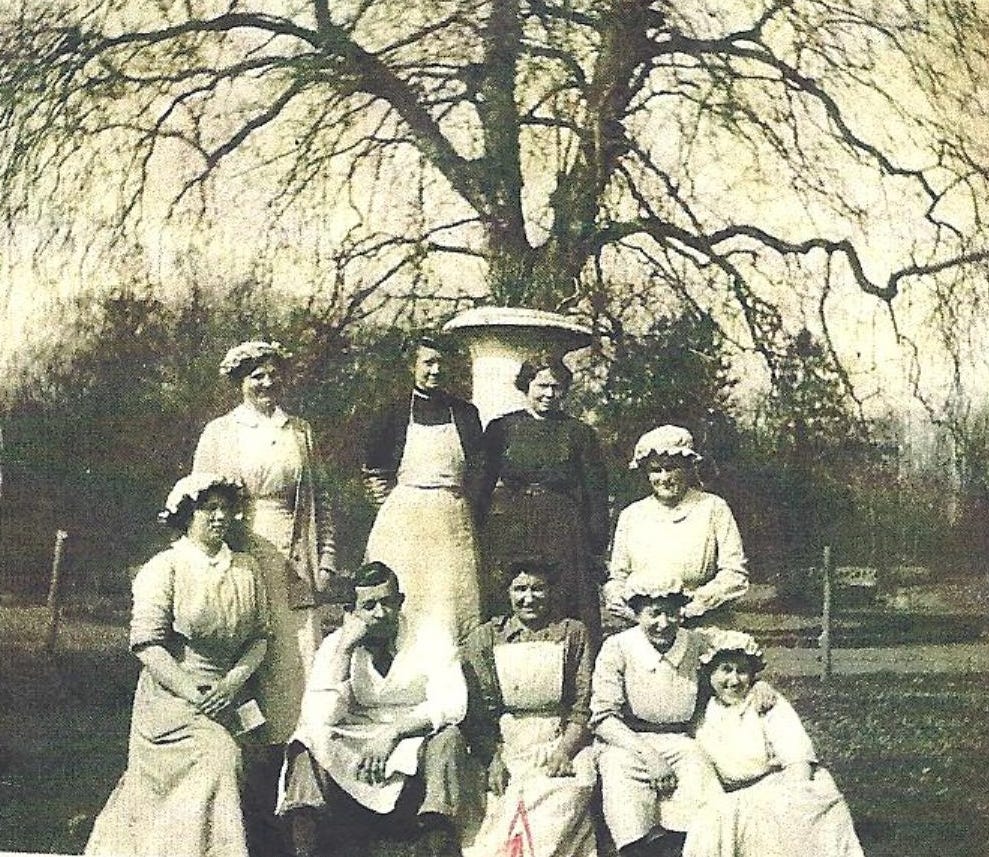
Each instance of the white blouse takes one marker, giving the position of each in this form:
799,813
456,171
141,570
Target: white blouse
745,745
695,545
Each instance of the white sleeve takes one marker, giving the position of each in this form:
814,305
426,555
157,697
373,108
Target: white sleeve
786,735
325,701
731,579
446,690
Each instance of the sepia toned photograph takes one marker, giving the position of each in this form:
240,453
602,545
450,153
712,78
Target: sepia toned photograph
518,428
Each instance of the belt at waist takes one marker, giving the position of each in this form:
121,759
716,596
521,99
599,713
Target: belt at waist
545,711
637,725
455,490
741,784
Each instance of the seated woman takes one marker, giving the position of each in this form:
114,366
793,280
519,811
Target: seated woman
200,629
677,536
776,792
654,777
529,686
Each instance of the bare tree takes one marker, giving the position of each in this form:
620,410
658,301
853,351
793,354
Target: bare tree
749,155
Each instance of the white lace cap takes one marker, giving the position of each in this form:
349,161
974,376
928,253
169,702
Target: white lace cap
664,440
253,351
193,487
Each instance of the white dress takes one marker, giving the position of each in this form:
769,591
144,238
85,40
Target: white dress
424,532
764,813
180,792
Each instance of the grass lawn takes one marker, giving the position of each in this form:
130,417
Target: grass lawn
910,752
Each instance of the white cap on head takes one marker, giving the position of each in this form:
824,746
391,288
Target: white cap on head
639,585
725,640
241,359
665,440
193,487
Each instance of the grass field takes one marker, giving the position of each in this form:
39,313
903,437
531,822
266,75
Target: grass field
910,752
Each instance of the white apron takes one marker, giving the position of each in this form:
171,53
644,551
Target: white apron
537,816
425,533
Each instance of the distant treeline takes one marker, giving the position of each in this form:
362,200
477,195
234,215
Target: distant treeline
100,424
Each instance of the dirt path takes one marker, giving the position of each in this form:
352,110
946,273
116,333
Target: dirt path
922,658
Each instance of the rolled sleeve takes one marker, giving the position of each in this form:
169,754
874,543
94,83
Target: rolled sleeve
152,615
608,683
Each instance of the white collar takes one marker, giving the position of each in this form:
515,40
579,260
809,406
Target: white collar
679,512
220,561
247,416
650,655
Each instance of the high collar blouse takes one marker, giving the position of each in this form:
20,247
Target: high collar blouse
695,544
189,601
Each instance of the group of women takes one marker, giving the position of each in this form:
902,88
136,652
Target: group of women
497,537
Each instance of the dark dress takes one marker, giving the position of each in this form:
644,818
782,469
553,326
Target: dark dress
545,492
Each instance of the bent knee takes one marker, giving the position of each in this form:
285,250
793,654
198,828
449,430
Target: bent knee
448,741
616,761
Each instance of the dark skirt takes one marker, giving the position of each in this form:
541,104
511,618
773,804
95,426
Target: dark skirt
533,521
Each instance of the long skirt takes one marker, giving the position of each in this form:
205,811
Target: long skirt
281,678
426,536
537,814
776,817
180,793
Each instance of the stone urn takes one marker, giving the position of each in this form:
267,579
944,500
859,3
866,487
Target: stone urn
499,339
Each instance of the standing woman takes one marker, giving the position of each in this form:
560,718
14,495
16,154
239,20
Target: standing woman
421,466
678,536
290,534
545,492
200,629
288,521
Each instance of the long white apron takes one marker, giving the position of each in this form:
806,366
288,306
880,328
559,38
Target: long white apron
424,532
538,815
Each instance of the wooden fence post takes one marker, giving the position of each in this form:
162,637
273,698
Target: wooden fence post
826,616
54,594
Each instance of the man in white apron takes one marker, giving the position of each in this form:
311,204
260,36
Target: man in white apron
377,749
